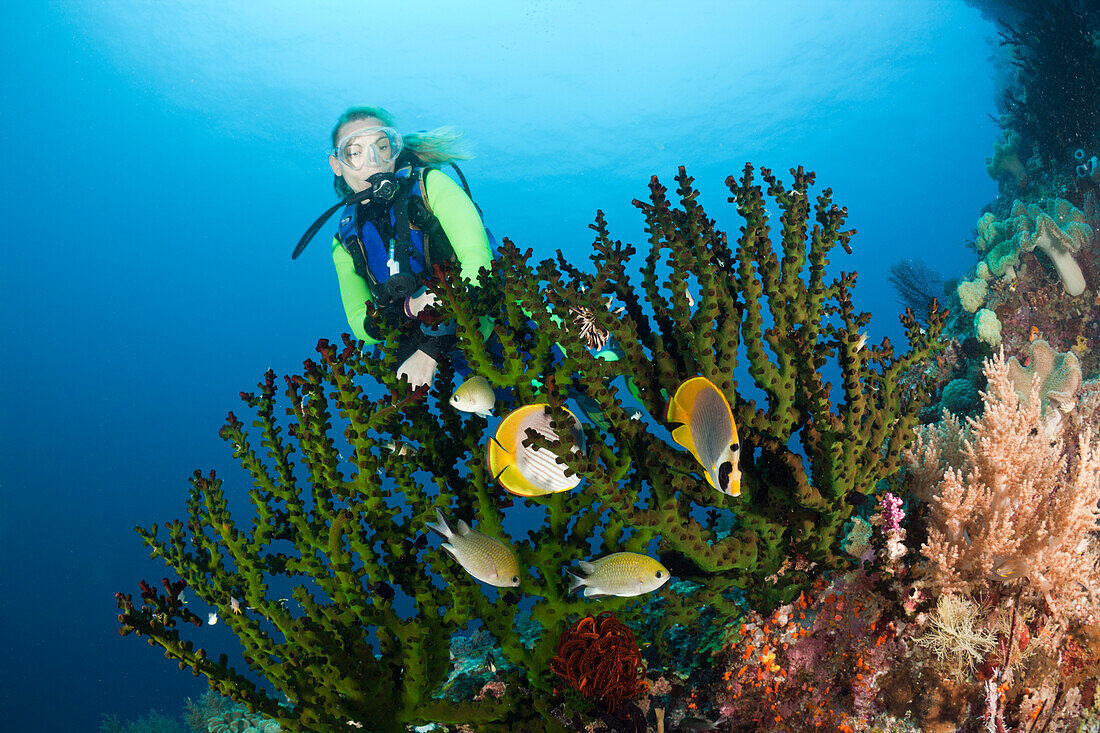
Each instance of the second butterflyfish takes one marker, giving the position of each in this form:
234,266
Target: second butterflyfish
707,430
475,395
620,574
531,471
486,558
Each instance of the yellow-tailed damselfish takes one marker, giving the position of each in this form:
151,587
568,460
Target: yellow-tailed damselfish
486,558
620,574
474,395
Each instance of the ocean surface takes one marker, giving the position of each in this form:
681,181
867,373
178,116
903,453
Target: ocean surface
162,159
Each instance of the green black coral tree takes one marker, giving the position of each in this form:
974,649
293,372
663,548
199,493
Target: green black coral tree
365,635
774,308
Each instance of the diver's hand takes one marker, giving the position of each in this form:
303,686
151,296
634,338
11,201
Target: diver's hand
418,369
416,303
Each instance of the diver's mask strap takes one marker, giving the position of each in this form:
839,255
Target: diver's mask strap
353,198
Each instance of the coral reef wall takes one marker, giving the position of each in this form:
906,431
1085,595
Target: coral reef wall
318,578
868,572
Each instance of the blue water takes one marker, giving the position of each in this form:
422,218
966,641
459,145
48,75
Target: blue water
160,163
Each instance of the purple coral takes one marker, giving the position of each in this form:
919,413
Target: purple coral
889,519
892,513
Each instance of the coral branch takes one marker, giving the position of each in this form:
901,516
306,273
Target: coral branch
346,616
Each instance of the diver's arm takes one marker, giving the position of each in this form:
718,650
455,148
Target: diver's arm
459,218
354,293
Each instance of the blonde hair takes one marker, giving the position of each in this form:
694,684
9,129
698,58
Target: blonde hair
435,147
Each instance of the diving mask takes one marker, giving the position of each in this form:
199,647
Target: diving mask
369,147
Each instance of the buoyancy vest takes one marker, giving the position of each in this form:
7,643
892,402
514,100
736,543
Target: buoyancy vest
406,236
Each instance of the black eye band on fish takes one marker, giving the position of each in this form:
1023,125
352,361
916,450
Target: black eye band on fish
724,472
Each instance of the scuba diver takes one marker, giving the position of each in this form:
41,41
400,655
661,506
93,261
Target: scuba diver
400,215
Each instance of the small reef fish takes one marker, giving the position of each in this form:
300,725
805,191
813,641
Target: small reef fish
862,341
620,574
708,431
484,557
530,471
692,723
475,395
399,447
211,618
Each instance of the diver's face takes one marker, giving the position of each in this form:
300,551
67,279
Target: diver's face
357,178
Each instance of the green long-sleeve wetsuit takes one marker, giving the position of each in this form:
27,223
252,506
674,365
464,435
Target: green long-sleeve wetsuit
465,231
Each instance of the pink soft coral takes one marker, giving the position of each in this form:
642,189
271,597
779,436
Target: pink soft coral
1016,511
